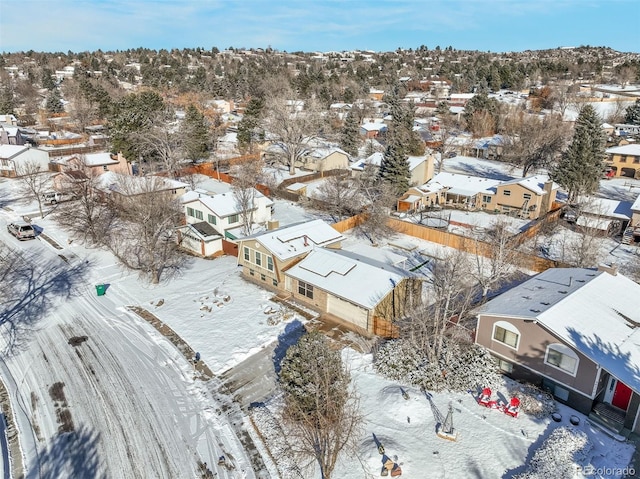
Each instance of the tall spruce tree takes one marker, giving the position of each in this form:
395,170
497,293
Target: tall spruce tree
632,116
580,168
349,136
195,134
248,131
394,169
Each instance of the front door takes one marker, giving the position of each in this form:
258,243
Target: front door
621,396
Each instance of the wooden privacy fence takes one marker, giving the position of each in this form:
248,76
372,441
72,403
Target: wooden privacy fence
469,245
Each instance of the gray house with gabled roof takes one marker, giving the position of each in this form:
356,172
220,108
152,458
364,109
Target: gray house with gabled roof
576,332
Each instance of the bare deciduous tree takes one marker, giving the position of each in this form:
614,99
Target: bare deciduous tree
321,409
501,259
338,196
246,176
88,217
143,237
531,142
451,292
34,179
291,132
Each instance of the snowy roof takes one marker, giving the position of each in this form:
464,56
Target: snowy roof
9,151
293,240
595,312
223,204
296,186
323,152
464,185
636,204
532,183
350,276
605,207
203,230
415,161
382,255
373,126
632,149
134,185
374,160
99,159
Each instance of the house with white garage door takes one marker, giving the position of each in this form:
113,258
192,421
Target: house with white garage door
368,294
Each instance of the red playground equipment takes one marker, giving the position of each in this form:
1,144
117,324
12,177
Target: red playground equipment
512,409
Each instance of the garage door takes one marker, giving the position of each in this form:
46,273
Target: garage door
347,311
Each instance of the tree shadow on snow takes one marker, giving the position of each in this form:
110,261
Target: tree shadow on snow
29,290
293,331
482,171
70,454
510,473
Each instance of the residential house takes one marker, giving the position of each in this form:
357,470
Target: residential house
624,160
575,332
94,164
366,293
223,211
11,135
118,186
14,158
325,159
200,238
489,148
9,119
470,192
601,215
265,256
373,129
421,168
529,197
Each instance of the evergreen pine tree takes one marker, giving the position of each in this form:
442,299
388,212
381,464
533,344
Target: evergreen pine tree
632,116
349,139
195,132
54,103
580,168
394,169
248,126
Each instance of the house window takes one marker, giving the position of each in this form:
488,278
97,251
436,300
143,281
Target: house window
506,192
505,366
562,357
506,333
233,219
247,256
258,258
274,282
263,277
305,289
212,219
252,272
526,196
198,214
486,199
269,263
623,159
190,212
105,168
636,159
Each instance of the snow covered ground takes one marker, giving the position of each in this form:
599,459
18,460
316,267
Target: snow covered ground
131,396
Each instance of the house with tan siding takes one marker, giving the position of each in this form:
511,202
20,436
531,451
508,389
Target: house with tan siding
529,197
624,160
576,333
265,256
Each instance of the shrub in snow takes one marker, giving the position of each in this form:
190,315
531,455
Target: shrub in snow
533,400
560,454
460,367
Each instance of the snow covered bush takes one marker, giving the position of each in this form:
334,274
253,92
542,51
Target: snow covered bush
559,456
533,400
460,367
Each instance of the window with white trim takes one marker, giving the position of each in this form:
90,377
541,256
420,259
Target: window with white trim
505,366
233,219
212,219
247,256
305,289
506,333
269,263
258,258
562,357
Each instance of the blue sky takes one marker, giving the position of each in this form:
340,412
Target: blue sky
314,25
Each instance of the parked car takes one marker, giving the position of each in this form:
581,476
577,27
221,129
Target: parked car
50,198
21,230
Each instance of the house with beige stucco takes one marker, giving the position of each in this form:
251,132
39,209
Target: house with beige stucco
624,160
576,333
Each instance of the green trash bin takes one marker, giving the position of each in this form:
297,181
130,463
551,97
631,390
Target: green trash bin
101,289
